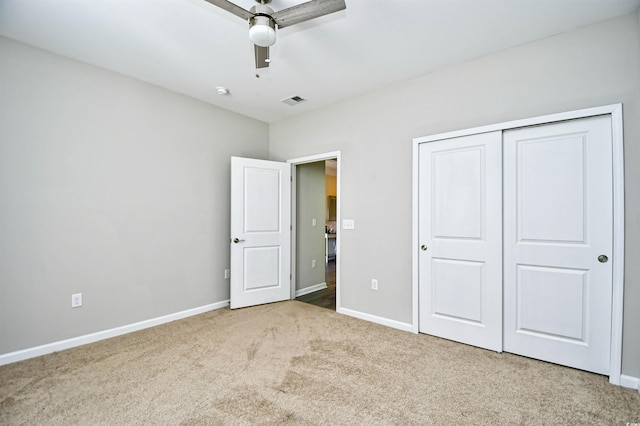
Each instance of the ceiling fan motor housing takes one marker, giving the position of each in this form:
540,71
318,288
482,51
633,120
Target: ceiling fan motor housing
262,27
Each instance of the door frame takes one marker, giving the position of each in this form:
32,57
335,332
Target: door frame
615,111
334,155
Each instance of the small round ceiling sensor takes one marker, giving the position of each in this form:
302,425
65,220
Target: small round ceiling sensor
222,90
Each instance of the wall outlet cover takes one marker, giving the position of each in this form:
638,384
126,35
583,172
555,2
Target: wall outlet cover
76,300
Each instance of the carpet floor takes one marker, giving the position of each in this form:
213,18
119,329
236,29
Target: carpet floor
295,363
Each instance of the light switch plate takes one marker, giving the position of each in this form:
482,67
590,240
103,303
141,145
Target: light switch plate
348,224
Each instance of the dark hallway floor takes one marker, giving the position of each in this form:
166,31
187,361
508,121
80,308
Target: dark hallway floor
325,298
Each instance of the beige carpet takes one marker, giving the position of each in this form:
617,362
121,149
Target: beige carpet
294,363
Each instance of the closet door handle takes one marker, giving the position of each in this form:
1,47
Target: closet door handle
602,258
423,247
236,240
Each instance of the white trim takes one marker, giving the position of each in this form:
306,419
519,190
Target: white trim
615,110
312,159
404,326
617,305
73,342
630,382
415,234
311,289
533,121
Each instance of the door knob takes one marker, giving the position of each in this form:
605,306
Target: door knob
236,240
602,258
423,247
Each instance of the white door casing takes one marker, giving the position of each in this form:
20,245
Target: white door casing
295,162
260,232
460,237
558,218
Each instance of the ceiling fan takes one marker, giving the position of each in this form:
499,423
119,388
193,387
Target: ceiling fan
263,20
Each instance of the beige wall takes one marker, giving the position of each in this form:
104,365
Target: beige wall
110,187
596,65
331,187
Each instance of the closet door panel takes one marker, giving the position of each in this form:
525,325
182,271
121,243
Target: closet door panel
460,228
558,221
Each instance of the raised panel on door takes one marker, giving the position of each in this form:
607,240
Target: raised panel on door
456,291
551,302
460,222
262,193
260,232
558,220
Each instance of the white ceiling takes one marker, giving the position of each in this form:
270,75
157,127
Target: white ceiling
191,46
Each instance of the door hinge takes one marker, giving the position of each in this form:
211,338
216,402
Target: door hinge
289,277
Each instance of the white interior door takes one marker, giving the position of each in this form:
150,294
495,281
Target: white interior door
558,221
460,235
260,232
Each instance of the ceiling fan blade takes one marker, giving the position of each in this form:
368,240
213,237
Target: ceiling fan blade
262,56
306,11
230,7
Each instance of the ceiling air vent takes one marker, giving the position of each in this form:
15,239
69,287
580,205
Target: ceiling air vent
294,100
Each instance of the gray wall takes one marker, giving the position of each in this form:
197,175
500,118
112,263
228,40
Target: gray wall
310,204
110,187
593,66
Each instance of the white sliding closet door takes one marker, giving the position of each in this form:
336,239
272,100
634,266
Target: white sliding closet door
460,233
558,225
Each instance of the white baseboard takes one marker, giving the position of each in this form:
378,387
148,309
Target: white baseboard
376,319
16,356
630,382
310,289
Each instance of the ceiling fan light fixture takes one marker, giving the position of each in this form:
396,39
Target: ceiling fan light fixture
263,31
264,21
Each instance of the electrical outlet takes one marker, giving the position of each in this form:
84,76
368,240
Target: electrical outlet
313,263
374,284
76,300
227,273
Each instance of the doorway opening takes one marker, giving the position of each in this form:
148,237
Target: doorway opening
315,233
